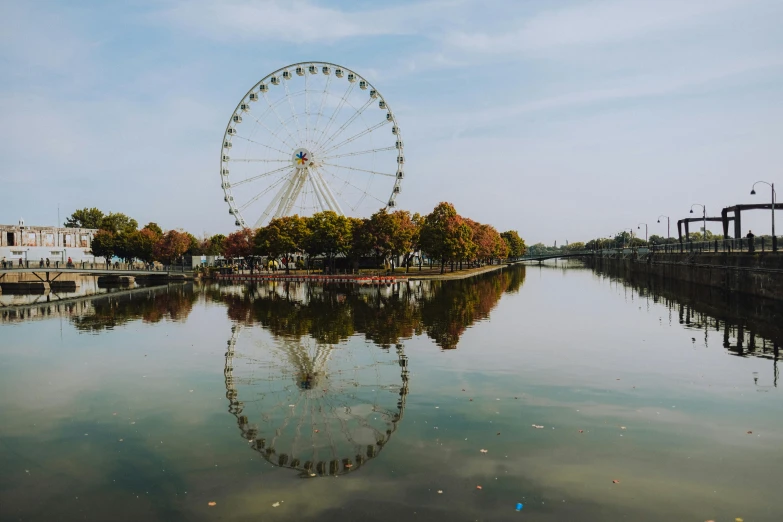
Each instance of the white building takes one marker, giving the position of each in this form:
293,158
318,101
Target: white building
31,244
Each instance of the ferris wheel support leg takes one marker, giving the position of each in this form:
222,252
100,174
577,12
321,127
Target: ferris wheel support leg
284,200
317,192
297,190
274,202
331,196
319,183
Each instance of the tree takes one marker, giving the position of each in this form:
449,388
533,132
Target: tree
330,234
281,237
104,245
404,236
213,246
239,244
118,223
171,246
445,236
362,240
141,244
379,231
154,228
85,218
516,245
575,247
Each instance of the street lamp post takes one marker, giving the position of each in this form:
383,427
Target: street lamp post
668,229
704,215
753,192
639,226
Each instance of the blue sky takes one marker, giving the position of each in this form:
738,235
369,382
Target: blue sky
564,120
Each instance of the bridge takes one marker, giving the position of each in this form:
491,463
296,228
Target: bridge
577,253
38,280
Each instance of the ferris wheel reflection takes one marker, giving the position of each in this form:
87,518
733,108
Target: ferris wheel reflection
320,409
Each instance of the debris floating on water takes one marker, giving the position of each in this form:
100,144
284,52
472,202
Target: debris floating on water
210,504
483,450
519,506
615,482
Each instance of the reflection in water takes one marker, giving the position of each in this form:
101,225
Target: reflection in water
383,315
313,397
751,327
317,408
94,314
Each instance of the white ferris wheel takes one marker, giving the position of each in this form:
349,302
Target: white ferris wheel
310,137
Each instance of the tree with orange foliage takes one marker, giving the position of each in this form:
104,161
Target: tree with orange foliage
239,244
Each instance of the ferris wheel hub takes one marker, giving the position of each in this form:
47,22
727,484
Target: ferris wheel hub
302,158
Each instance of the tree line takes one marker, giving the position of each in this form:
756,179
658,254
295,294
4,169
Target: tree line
444,236
119,235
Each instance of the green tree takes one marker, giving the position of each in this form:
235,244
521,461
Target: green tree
362,240
85,218
141,244
516,245
330,235
117,222
282,237
575,247
154,228
213,246
104,245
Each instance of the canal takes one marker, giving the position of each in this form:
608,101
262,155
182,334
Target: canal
544,393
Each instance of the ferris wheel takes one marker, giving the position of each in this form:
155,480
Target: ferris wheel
310,137
319,409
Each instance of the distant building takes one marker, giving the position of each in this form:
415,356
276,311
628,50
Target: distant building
35,243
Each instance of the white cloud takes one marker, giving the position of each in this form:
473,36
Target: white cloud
591,23
300,21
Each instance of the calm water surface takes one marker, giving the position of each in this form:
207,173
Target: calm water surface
580,396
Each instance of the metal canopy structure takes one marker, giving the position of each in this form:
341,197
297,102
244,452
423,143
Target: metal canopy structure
736,210
310,137
687,221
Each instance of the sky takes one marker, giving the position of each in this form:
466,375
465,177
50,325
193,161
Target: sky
564,120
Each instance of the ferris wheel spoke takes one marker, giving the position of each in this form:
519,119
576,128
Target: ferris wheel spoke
359,153
356,136
279,119
337,109
360,170
264,144
291,105
321,106
364,192
262,194
254,160
259,176
307,111
342,127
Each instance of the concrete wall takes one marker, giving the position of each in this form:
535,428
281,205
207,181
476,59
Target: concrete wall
759,274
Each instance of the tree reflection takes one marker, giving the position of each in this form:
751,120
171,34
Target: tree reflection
384,315
151,305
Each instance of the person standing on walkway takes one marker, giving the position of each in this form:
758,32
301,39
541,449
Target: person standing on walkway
751,241
47,262
21,264
3,261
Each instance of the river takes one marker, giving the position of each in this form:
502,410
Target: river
572,393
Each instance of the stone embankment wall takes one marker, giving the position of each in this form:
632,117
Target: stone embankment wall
759,274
